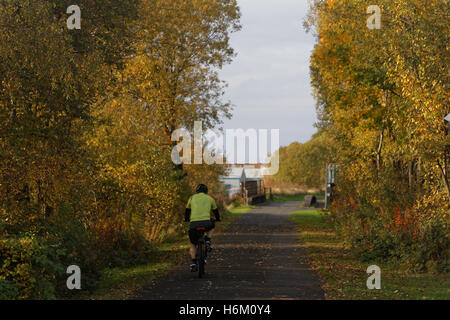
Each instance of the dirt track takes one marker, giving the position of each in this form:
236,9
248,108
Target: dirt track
257,257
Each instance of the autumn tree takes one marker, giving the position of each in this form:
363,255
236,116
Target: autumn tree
182,45
169,82
49,77
383,93
86,118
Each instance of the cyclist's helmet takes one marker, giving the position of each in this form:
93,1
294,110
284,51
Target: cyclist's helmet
202,189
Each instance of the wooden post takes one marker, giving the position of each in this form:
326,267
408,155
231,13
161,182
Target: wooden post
326,187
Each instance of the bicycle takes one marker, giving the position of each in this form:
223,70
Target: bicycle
201,252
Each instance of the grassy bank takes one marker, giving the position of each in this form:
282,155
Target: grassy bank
292,197
345,277
124,283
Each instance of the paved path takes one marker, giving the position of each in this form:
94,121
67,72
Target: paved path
257,257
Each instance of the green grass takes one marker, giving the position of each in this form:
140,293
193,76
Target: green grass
345,277
288,197
124,283
292,197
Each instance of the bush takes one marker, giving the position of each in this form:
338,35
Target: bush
29,270
237,201
8,290
387,226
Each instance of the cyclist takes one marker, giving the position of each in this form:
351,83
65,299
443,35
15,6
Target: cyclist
198,213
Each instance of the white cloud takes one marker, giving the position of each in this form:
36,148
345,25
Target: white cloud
269,81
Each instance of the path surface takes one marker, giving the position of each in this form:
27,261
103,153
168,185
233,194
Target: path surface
257,257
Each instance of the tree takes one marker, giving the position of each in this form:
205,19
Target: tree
181,45
49,77
382,96
304,164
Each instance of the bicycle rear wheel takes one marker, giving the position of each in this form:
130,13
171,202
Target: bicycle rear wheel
201,258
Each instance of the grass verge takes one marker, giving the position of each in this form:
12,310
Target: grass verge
345,277
124,283
292,197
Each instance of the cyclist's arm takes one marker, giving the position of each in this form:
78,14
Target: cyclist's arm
215,210
187,215
216,214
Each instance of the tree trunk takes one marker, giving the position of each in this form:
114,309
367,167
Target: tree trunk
380,147
412,174
443,169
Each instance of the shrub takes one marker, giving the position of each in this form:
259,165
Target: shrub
385,225
29,270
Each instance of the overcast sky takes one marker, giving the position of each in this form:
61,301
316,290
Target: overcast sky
269,81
